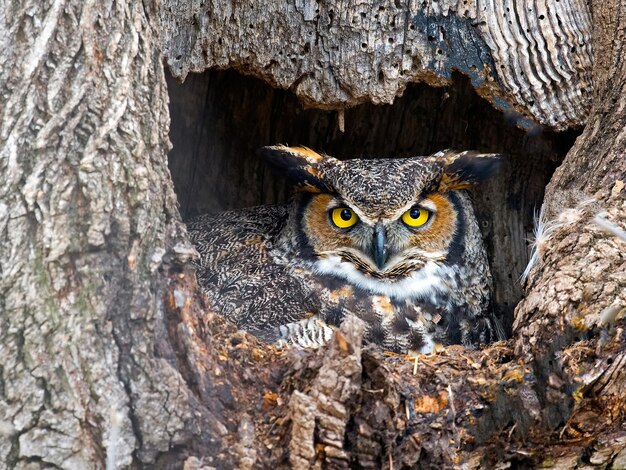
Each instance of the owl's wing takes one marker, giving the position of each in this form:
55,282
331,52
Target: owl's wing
240,277
471,320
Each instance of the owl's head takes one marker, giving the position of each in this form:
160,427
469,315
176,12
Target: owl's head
380,220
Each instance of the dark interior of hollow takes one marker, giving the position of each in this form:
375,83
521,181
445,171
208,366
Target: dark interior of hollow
220,118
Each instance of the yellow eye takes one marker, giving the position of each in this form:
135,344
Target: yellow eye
416,217
343,217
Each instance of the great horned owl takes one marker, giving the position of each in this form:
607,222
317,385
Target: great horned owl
392,241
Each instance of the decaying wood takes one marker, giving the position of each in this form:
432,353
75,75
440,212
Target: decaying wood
108,356
534,57
581,274
346,405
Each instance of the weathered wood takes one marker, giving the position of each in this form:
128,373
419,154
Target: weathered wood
344,406
527,56
582,268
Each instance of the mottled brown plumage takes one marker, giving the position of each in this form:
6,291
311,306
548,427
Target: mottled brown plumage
392,241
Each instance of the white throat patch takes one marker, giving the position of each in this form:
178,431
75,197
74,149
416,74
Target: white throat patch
420,285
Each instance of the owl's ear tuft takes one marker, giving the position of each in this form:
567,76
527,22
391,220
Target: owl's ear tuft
463,169
300,165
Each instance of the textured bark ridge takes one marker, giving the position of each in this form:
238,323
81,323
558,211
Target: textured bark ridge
527,56
87,221
580,278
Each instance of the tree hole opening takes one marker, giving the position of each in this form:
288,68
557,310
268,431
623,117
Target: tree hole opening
220,118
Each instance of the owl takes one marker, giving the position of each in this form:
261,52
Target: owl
393,241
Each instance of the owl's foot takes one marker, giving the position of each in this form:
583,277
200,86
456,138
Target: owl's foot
309,333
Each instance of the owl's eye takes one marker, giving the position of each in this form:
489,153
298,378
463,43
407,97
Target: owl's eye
343,217
416,216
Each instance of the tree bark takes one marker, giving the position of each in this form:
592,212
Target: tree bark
88,230
108,356
533,58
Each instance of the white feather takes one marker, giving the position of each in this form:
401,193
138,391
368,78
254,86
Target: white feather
545,229
610,227
542,232
421,284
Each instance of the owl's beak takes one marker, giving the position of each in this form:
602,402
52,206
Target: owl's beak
381,253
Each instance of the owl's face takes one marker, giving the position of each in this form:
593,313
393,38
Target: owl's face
389,224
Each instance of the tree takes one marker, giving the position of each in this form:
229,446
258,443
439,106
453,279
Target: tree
108,354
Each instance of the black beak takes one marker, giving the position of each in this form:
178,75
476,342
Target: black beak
380,246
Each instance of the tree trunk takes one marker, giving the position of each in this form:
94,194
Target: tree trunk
89,231
108,356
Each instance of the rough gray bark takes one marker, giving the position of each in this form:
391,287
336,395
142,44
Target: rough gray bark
88,225
527,56
107,353
581,271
